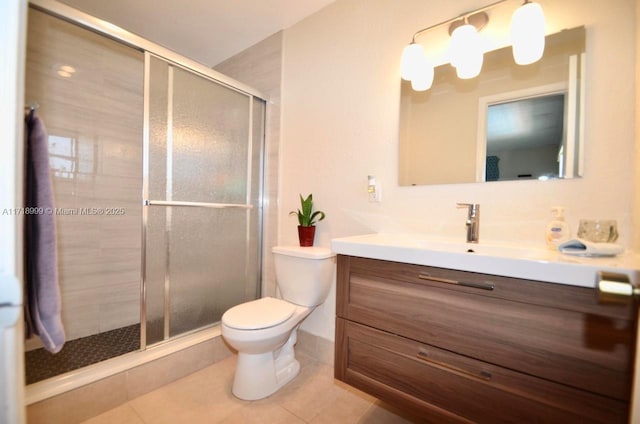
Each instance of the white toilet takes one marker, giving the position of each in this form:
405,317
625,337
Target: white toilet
263,331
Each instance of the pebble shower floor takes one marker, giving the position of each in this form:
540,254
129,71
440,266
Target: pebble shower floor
78,353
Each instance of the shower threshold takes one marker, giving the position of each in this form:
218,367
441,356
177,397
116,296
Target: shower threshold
41,365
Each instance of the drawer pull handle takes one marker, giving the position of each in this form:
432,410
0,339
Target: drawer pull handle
612,288
484,374
482,286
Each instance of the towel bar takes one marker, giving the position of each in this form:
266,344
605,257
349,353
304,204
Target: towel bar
196,204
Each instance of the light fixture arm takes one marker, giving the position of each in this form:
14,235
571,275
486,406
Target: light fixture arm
458,18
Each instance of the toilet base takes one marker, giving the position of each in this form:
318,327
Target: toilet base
262,374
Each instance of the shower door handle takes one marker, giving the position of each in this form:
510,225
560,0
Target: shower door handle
196,204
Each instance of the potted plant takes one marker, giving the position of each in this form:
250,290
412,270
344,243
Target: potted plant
306,218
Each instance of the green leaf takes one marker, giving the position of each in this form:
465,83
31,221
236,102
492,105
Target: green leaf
315,214
306,216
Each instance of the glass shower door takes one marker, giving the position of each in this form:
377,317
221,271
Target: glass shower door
203,165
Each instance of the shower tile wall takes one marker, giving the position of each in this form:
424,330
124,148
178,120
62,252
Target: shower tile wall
93,114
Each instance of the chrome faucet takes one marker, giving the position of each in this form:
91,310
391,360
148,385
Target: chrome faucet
473,221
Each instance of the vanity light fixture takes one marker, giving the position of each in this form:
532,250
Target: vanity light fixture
527,33
465,50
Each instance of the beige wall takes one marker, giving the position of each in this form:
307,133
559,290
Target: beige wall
340,106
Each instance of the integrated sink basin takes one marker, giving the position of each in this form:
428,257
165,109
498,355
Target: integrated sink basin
444,245
499,259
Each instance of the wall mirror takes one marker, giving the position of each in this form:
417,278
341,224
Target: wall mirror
510,123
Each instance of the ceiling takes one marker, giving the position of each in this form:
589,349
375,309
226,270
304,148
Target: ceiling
208,31
526,124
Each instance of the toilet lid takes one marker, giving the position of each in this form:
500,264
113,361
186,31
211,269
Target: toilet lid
261,313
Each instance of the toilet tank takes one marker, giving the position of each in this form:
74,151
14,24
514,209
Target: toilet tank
304,274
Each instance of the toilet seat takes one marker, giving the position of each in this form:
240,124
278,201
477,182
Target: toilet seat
261,313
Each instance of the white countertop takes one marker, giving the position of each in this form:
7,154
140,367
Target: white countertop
489,258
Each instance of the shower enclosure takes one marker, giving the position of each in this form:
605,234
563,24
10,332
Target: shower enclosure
157,170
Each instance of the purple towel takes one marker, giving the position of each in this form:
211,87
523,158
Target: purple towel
42,293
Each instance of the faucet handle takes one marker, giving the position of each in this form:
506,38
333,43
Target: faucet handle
474,208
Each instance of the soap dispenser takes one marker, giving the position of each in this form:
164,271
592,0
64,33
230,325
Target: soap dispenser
558,230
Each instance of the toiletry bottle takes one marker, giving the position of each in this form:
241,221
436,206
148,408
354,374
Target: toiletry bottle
558,230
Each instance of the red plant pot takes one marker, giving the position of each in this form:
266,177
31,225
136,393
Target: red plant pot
306,235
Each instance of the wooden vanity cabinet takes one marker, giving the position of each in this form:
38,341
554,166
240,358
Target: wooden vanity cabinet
489,349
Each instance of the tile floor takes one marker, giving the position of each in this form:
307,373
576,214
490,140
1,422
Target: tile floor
205,397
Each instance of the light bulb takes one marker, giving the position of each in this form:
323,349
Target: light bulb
466,51
527,33
412,55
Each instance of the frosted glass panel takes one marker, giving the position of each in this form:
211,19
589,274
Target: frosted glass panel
257,148
206,144
210,140
155,271
158,107
207,265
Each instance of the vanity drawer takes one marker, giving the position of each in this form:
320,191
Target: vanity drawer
579,299
552,331
431,381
